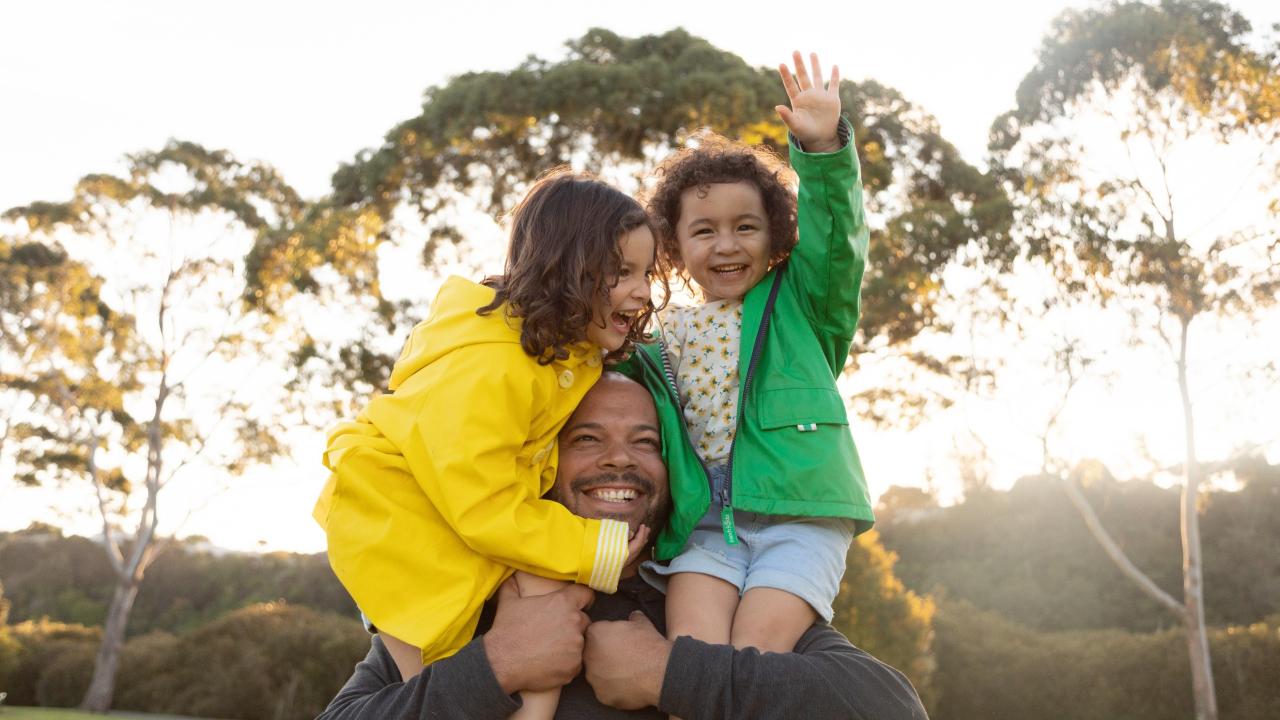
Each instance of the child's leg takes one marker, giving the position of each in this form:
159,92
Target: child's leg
771,620
794,576
408,658
537,705
701,606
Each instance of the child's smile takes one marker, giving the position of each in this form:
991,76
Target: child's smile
724,238
616,314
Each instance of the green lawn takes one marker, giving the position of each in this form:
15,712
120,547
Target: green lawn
38,713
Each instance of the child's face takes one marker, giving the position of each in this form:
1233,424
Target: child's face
629,296
724,238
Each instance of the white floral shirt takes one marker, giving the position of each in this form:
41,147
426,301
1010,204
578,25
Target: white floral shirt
702,341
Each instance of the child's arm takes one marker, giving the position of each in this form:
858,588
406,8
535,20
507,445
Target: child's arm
827,265
470,469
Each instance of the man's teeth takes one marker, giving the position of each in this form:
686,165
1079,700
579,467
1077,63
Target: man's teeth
614,495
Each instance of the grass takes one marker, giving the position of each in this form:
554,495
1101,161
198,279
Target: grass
39,713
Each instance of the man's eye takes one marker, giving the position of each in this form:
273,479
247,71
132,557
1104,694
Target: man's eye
650,441
578,439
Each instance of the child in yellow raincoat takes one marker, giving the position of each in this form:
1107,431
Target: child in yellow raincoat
435,495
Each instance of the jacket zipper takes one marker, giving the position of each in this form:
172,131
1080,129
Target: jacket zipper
726,490
670,377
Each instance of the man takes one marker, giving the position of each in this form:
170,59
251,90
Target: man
611,655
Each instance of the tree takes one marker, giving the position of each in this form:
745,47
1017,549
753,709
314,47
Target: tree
616,105
133,349
883,617
1148,81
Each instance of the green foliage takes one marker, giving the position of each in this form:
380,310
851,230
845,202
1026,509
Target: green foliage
989,667
1163,74
1027,555
884,618
620,104
69,580
45,660
268,662
1195,48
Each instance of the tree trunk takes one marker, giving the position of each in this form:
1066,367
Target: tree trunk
103,685
1202,688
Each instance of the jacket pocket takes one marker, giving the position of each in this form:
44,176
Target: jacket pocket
801,408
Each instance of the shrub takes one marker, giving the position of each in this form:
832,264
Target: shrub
38,651
991,668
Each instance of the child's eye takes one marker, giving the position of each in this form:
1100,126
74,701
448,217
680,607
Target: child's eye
746,227
702,231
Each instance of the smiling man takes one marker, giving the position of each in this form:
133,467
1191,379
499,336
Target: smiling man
611,655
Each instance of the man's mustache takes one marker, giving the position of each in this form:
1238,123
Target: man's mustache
607,479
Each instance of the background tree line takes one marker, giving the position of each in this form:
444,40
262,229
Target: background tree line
216,335
984,627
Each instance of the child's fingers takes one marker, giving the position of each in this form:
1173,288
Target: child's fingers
817,69
802,75
785,113
788,82
834,87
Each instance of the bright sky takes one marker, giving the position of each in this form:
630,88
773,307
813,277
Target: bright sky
305,85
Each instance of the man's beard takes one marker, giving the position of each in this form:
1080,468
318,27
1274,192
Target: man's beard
655,513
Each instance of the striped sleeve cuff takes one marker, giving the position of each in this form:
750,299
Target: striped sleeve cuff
611,555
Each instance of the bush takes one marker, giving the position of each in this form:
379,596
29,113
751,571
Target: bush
883,617
39,649
993,669
266,662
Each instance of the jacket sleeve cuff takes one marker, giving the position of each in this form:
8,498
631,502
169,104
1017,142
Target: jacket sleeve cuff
817,170
604,555
466,682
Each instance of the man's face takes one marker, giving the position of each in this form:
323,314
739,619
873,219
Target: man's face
611,457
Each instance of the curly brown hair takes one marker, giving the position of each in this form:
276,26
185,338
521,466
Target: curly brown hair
562,258
712,158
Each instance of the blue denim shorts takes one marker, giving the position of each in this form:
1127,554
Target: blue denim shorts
804,556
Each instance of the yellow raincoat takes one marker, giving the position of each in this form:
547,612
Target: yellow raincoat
435,492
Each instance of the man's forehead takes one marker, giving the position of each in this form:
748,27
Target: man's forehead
615,400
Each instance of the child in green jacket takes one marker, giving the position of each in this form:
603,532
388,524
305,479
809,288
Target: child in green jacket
767,484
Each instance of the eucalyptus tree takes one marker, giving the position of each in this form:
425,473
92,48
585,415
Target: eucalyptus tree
616,105
1122,98
131,357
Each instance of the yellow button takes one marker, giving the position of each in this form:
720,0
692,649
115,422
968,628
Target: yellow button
593,360
566,379
542,454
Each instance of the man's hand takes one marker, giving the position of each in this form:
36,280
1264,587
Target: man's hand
536,643
814,114
626,662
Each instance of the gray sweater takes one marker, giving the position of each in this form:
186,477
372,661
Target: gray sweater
826,677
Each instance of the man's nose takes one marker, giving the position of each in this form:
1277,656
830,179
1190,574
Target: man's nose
617,456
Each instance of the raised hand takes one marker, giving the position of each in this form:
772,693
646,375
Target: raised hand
814,114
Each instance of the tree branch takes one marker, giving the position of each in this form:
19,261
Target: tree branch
1116,554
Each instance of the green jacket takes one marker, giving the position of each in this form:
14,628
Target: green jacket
792,453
